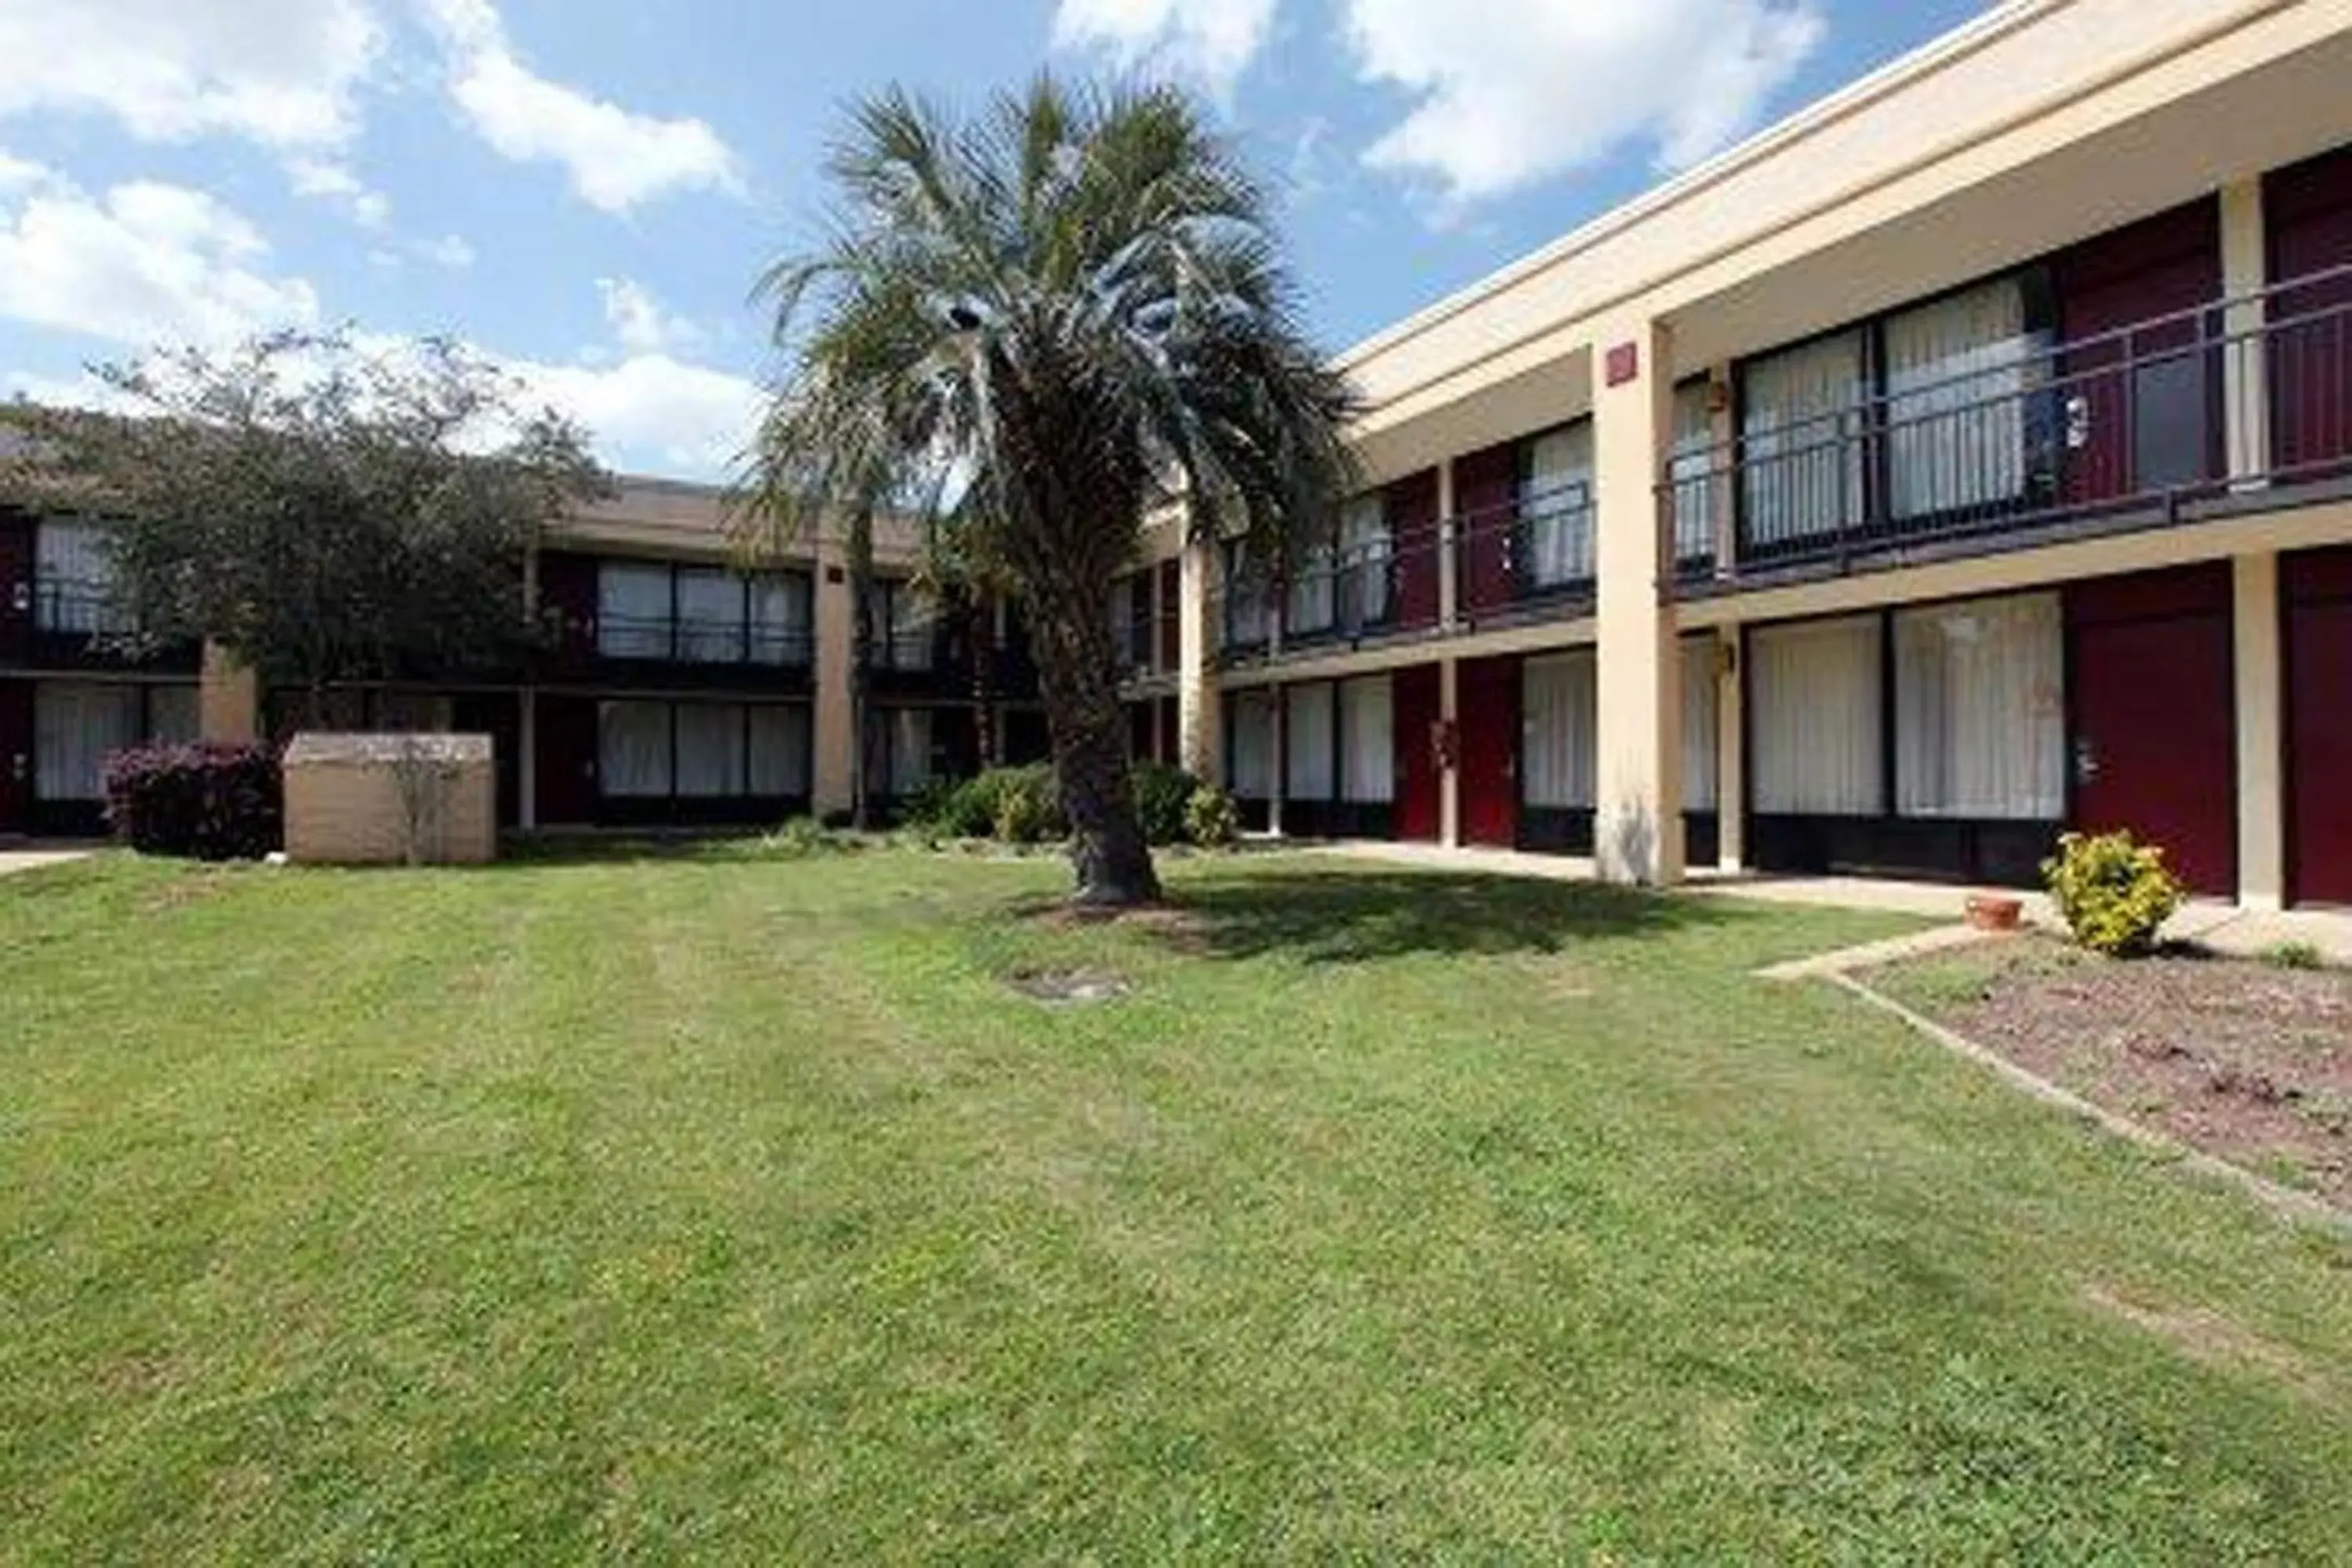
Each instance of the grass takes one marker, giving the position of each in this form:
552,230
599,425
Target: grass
721,1205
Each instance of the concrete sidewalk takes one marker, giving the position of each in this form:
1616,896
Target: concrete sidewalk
14,860
2223,927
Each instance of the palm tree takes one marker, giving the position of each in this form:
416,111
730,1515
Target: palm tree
1026,328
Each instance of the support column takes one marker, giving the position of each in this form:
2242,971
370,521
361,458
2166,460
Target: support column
1731,752
2245,273
527,759
1281,760
228,699
2262,753
1449,554
1200,718
1638,827
834,730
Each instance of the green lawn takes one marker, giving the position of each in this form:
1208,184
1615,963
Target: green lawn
734,1207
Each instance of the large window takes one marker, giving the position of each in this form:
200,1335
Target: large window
1702,697
1801,420
897,751
77,725
1249,612
1814,712
1690,466
633,611
905,625
1250,760
1559,727
73,579
1368,739
1958,374
701,615
703,751
1364,551
1979,709
1309,743
1556,507
1310,609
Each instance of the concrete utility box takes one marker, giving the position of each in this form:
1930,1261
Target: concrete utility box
376,800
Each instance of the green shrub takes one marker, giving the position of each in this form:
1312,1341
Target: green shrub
2294,955
2115,894
804,836
1029,808
931,805
1211,820
204,802
1162,796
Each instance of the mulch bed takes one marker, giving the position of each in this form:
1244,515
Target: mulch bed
2244,1060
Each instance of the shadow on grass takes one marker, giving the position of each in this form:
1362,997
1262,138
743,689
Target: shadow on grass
1341,916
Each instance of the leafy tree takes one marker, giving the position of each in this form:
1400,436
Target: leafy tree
323,511
1026,329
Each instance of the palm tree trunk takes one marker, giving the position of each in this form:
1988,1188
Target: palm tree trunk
1076,675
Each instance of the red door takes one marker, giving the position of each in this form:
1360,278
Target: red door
565,753
1486,501
16,754
1420,814
2319,727
2154,735
1414,542
1489,715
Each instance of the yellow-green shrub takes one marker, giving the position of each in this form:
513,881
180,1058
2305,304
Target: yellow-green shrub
2115,894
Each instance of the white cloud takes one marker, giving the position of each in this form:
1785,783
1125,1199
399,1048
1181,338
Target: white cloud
324,179
651,411
1208,41
281,72
615,159
1510,92
451,250
639,322
144,263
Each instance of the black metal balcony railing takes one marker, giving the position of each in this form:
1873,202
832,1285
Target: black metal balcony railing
684,640
70,606
2173,413
1536,552
908,651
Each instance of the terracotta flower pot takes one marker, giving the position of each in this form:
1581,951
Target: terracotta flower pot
1992,911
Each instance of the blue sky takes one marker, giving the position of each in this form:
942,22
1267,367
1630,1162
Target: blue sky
585,189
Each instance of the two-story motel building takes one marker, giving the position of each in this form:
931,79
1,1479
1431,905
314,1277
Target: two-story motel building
1968,457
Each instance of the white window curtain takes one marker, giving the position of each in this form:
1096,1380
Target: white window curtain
1559,731
1247,612
1801,414
898,750
1249,771
781,630
77,725
1957,375
72,576
779,752
1690,462
1814,698
1368,742
633,611
1702,694
711,748
1364,549
1308,740
902,627
1556,506
174,714
633,756
1309,607
710,616
1979,709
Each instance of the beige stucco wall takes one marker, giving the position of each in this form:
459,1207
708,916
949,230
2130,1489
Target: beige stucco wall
228,699
353,812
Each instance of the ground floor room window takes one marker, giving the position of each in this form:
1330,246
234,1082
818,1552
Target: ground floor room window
702,751
1816,718
1368,742
1559,727
897,751
77,725
1980,710
1309,739
1250,760
1702,694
